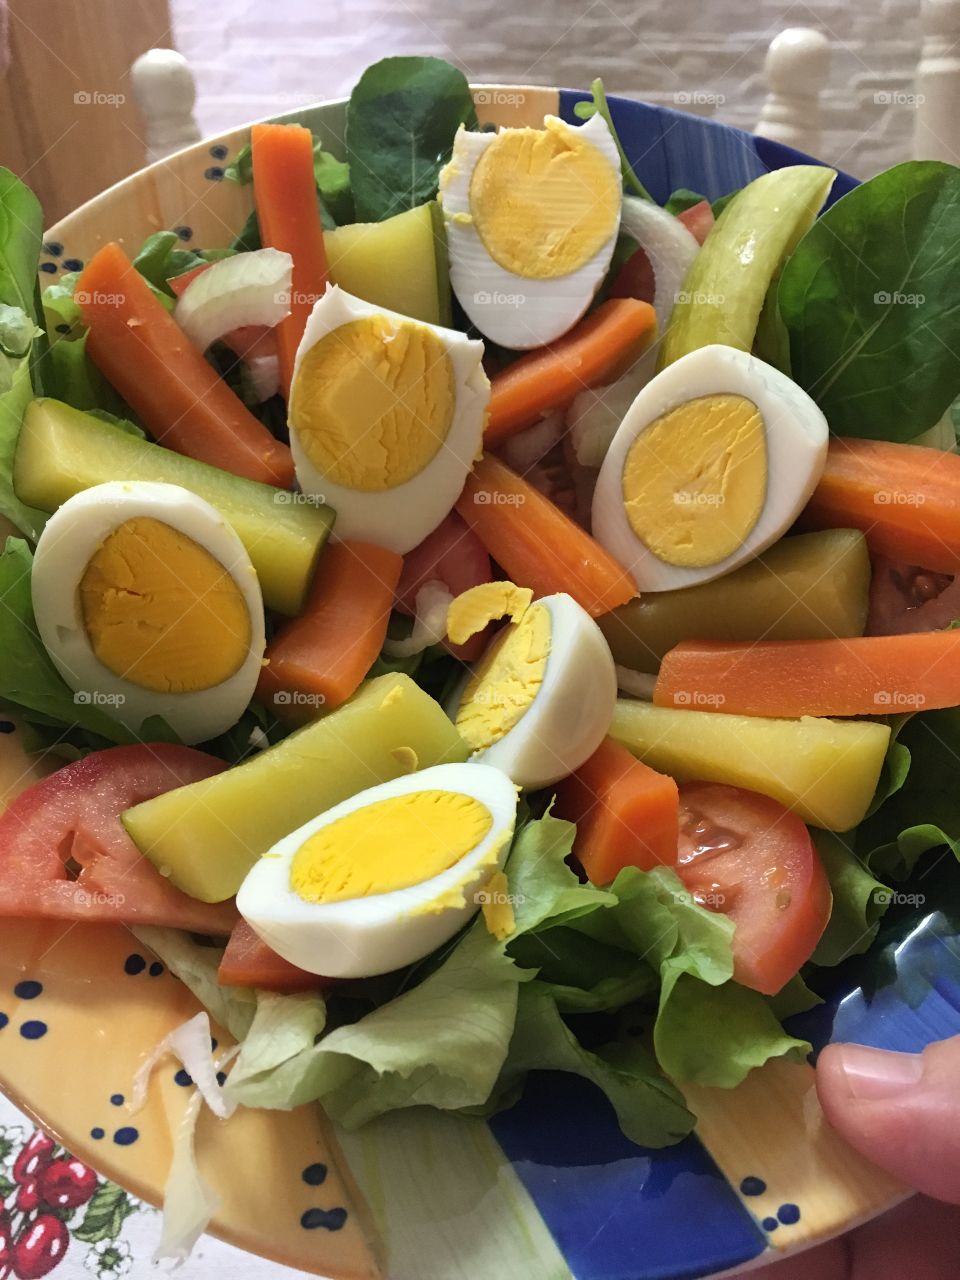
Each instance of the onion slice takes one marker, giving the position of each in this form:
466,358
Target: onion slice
668,244
429,623
246,289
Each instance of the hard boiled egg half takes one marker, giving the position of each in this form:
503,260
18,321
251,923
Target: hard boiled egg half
714,460
542,697
147,602
531,217
386,417
387,876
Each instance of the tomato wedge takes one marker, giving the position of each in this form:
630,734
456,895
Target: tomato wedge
64,854
249,962
698,220
748,857
455,556
905,598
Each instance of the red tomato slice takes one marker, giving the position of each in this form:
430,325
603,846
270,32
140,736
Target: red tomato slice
748,857
64,853
905,598
698,220
634,279
249,962
455,556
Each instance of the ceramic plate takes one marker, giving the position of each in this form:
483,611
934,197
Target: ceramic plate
550,1189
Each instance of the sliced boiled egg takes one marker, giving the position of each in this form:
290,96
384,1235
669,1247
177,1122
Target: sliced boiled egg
714,460
386,418
541,699
387,876
148,605
531,217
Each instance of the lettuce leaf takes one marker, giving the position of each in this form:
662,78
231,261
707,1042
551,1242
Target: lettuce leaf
859,901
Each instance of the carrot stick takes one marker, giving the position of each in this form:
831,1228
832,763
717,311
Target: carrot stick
285,192
862,676
536,544
593,352
249,962
905,498
627,814
318,660
179,397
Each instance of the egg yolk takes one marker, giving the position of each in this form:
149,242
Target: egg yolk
373,402
506,680
544,201
388,845
695,481
160,611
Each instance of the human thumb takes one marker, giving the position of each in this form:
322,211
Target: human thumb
900,1110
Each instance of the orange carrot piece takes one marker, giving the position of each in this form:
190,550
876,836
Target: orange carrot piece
627,814
905,498
862,676
179,397
285,192
249,962
536,544
319,659
593,352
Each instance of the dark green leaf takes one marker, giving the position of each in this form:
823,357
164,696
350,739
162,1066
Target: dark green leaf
721,202
105,1214
858,902
401,121
869,299
682,199
796,997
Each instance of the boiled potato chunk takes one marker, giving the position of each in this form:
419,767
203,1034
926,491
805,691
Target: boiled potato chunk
398,263
206,836
62,451
813,586
826,771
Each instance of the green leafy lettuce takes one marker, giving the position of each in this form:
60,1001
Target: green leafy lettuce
869,302
401,121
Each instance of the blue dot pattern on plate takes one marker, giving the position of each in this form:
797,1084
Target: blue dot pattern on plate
183,1079
221,1078
214,173
314,1174
126,1136
134,964
219,151
156,969
28,990
53,247
330,1219
72,264
116,1099
96,1133
49,267
3,1020
34,1029
185,233
770,1224
789,1214
7,726
752,1187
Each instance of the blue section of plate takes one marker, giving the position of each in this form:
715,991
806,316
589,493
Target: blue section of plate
903,995
671,149
616,1210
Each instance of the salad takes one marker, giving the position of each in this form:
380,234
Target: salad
485,621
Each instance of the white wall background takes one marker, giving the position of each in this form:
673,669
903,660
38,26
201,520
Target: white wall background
258,57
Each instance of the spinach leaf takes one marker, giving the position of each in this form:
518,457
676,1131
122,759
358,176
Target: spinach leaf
401,121
682,199
159,260
869,300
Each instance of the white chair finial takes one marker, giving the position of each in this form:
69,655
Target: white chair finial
797,67
937,125
165,90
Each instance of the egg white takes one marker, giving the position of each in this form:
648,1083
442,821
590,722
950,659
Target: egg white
399,518
571,712
71,537
513,310
796,438
361,937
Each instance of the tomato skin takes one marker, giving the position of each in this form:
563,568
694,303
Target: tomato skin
451,554
698,220
249,962
73,817
905,599
748,857
635,278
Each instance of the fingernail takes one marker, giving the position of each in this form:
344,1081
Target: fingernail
872,1074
